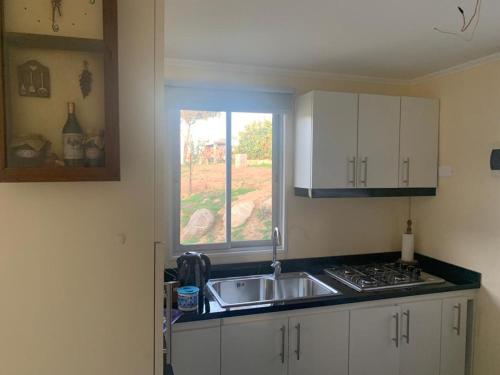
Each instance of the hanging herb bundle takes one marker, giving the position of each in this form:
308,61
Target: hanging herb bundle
86,80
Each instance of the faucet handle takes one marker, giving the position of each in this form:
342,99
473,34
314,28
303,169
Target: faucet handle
276,236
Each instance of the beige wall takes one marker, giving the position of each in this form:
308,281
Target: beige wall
319,227
76,300
73,298
461,225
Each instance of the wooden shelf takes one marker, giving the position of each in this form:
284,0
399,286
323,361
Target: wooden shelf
40,41
61,174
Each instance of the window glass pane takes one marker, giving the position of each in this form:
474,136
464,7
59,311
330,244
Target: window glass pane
203,177
251,171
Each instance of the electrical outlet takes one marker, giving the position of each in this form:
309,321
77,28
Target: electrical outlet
445,171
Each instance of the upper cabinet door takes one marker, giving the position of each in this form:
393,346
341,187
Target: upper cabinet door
378,141
335,117
419,142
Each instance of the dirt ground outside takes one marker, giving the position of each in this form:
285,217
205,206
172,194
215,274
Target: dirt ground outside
249,183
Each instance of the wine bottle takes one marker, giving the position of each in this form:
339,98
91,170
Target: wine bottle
72,140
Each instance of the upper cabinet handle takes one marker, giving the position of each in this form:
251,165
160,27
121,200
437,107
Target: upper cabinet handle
406,179
364,171
351,171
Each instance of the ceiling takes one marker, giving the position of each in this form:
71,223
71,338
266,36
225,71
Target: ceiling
379,38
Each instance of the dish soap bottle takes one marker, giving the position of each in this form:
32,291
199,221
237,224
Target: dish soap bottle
72,140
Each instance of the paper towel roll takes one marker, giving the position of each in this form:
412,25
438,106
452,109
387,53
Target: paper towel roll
408,248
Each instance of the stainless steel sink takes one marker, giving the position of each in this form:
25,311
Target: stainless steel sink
265,289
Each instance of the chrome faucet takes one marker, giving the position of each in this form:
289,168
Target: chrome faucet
276,264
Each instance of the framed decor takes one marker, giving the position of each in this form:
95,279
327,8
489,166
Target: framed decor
59,91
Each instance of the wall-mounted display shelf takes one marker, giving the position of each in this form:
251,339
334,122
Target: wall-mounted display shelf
59,91
24,40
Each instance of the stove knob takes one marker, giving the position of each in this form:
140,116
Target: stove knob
416,272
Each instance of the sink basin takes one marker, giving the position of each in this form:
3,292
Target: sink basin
265,289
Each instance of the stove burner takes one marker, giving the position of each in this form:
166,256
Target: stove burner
398,279
381,276
368,282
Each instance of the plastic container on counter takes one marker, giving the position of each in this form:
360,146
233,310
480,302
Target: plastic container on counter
187,298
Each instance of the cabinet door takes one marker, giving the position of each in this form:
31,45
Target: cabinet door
196,349
303,141
420,336
319,344
378,141
259,347
419,142
453,336
374,341
335,121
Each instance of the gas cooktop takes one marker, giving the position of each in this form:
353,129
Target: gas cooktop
381,276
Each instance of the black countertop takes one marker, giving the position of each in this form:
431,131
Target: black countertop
457,278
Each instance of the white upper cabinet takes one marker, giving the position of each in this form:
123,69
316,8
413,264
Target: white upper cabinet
351,141
326,137
378,141
419,142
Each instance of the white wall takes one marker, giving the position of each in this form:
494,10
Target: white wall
73,299
319,227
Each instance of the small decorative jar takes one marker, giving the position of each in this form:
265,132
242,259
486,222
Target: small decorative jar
187,299
94,148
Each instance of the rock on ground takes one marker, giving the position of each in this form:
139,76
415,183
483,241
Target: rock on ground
200,222
267,205
241,212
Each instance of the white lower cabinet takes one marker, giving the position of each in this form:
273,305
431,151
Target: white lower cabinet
373,349
453,344
315,344
398,340
417,337
259,347
420,338
196,348
319,344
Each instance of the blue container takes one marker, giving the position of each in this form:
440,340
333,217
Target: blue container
187,299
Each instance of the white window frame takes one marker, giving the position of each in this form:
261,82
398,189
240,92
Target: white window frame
278,167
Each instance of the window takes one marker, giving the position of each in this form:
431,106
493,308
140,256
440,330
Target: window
227,177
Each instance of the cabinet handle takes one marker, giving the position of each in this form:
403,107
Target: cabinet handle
364,171
297,327
283,330
396,338
351,168
407,335
458,327
406,179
